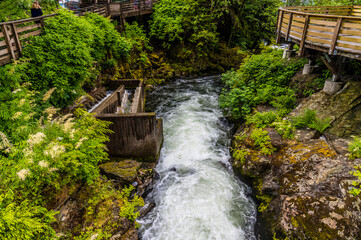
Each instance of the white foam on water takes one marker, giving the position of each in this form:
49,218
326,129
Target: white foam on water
197,196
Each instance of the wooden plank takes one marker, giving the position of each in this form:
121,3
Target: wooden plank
30,27
303,37
301,25
4,60
297,29
1,35
335,36
289,27
350,32
2,43
16,38
351,25
35,33
349,46
8,42
323,22
295,35
318,40
319,34
4,51
319,28
350,39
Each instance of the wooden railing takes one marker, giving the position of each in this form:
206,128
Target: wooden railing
131,8
335,30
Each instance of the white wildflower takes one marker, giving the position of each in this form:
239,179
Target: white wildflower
16,115
16,90
68,125
22,101
80,142
53,169
59,138
43,164
5,143
36,138
23,173
55,150
47,95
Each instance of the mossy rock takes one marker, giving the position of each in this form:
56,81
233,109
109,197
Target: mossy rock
124,171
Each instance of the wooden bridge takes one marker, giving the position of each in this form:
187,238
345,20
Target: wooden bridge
333,30
15,34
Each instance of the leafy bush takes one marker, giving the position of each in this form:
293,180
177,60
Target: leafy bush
262,119
308,119
261,79
40,156
63,57
183,21
262,140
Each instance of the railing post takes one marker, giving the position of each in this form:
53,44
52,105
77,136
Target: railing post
8,42
17,39
108,9
289,26
279,27
335,36
304,35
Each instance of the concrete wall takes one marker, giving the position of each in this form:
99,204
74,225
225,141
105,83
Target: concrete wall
137,135
111,103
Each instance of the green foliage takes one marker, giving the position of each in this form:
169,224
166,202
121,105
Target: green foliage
262,140
261,79
39,156
309,119
128,208
335,2
179,22
356,190
284,128
20,9
239,153
246,23
262,119
64,56
355,148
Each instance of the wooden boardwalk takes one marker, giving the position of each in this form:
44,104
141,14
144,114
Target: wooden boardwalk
333,30
14,34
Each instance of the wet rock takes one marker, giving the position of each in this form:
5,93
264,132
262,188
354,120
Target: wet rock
125,171
344,108
307,183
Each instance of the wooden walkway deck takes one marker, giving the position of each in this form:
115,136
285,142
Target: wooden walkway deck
333,30
14,34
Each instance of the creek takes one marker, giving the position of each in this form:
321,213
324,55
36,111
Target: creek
197,195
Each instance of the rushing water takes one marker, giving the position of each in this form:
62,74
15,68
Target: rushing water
197,195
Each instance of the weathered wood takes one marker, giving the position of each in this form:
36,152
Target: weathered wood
289,26
335,36
318,40
16,38
303,37
4,51
27,28
35,33
8,42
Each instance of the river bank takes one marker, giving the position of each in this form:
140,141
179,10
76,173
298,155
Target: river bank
304,183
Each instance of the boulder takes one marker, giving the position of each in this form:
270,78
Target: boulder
344,108
125,171
306,187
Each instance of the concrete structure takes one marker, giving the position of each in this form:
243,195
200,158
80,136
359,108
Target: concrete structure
135,134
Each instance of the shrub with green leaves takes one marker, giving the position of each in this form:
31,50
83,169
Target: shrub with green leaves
261,79
176,22
308,118
39,156
67,54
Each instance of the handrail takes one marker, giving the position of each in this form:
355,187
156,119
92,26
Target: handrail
327,32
